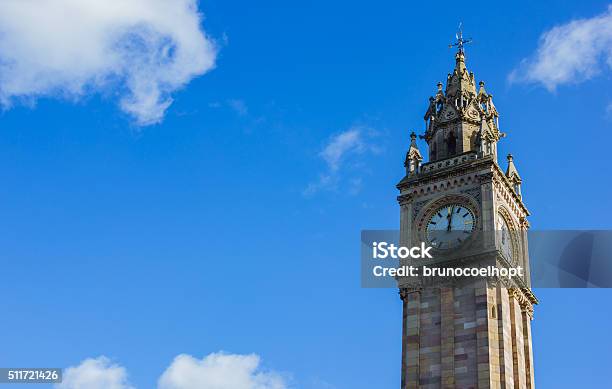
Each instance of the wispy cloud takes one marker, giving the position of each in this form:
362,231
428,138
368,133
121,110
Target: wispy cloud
238,106
355,141
569,53
142,51
340,145
215,371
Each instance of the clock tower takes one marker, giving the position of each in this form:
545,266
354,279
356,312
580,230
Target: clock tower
465,332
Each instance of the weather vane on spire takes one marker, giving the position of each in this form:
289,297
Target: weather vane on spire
460,41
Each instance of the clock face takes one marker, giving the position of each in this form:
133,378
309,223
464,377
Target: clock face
450,226
505,238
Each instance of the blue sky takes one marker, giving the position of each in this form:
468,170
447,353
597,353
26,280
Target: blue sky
232,222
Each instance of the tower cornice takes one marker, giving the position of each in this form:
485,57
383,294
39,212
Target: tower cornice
452,168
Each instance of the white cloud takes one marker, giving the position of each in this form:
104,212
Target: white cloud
215,371
97,373
219,371
140,50
569,53
339,148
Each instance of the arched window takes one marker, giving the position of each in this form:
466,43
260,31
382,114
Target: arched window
434,151
488,148
451,144
494,312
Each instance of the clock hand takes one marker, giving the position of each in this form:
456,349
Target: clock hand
449,216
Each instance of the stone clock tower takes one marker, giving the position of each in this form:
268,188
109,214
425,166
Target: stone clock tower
465,333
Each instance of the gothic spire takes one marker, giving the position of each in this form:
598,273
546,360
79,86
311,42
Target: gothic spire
511,171
460,83
413,157
513,175
461,118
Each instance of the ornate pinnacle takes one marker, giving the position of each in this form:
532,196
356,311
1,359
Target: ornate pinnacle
511,171
413,157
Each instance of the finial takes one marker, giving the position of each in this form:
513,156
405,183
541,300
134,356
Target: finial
439,86
513,175
460,41
413,157
481,84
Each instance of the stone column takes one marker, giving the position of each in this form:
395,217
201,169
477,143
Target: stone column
527,317
488,210
493,336
523,233
447,339
405,220
466,344
482,335
505,339
411,299
518,347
